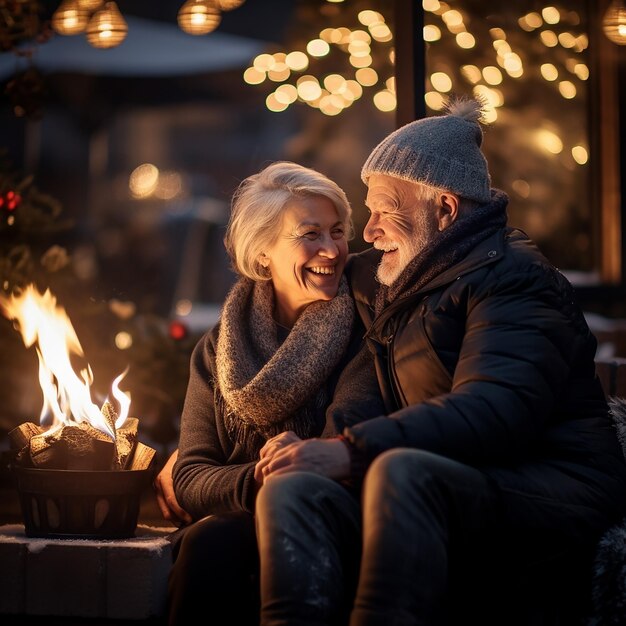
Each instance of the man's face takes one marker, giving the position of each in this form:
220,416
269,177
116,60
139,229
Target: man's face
401,223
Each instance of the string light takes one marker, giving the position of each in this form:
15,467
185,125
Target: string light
614,22
549,71
334,92
492,75
551,26
107,28
431,33
434,100
465,40
229,5
551,15
199,17
90,5
70,18
441,82
510,63
472,73
580,155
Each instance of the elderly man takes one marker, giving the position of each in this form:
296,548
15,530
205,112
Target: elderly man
496,453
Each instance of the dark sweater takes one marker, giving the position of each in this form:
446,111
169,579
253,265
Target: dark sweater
215,474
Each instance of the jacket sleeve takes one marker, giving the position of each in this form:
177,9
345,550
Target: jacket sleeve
515,357
357,395
206,480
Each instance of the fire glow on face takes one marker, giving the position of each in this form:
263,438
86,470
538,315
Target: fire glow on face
66,395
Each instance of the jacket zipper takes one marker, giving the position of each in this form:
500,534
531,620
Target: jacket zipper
391,371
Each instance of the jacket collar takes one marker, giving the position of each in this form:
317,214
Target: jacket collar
487,252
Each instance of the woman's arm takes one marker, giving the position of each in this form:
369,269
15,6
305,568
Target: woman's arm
166,498
211,474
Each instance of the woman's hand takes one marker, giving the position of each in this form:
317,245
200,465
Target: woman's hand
271,447
327,457
166,498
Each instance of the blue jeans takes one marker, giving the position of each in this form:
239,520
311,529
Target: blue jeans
425,525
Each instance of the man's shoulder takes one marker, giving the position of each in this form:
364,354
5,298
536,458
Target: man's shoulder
522,249
363,264
361,273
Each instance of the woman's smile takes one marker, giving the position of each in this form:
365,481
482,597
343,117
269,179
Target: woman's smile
312,243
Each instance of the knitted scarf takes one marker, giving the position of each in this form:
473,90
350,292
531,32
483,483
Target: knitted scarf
268,386
446,249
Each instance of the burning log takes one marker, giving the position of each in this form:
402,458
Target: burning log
82,436
95,499
142,459
19,439
110,415
79,446
126,442
20,436
125,435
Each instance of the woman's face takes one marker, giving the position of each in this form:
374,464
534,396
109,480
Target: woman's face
308,257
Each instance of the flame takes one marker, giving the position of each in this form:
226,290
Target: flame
122,398
67,396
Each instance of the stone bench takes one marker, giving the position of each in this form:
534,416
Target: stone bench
118,579
126,579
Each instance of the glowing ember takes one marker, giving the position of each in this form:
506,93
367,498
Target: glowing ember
67,396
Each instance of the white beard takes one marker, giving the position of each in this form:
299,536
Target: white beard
389,269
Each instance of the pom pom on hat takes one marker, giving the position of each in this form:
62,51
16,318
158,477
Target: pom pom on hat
441,151
468,109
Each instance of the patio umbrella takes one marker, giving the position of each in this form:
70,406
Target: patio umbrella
151,49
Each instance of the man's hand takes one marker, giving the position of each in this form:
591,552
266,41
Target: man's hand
327,457
166,499
271,447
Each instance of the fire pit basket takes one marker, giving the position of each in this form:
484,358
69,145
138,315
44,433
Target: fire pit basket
80,504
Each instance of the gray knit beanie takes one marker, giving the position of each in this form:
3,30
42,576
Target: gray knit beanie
441,151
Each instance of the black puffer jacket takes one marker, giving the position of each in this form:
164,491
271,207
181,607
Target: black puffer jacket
492,364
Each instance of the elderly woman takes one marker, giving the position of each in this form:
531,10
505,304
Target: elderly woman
286,357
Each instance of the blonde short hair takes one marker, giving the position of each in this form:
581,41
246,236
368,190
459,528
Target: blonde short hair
257,210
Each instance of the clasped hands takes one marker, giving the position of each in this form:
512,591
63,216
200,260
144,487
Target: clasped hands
283,453
286,452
